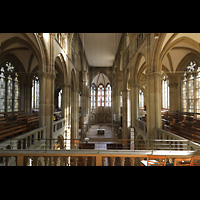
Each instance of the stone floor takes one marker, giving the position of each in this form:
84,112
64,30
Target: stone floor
101,141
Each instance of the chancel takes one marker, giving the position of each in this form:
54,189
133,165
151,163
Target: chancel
73,99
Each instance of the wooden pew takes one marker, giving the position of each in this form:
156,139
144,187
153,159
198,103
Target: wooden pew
7,125
115,146
86,145
191,132
17,122
13,130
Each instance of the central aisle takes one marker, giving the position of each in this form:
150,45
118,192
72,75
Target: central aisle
101,141
92,132
100,146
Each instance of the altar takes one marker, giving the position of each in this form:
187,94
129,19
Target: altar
100,131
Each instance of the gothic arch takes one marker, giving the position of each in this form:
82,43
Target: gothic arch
105,78
140,66
185,60
44,63
11,57
26,42
180,47
60,66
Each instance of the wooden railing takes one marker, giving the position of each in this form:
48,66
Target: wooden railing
84,157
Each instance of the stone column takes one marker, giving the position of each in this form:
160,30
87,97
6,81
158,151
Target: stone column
125,134
134,103
68,111
173,93
83,110
75,115
42,79
67,101
47,104
153,103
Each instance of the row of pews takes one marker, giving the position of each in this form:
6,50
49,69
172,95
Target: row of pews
15,123
184,124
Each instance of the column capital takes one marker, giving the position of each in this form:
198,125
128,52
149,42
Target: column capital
68,84
133,84
46,74
153,74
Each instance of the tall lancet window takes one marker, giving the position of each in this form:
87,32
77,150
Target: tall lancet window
141,99
35,93
60,99
93,96
165,92
2,90
108,95
101,95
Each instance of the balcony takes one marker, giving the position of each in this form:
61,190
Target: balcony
84,157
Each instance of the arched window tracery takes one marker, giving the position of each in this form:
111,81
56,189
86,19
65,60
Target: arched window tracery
9,88
191,88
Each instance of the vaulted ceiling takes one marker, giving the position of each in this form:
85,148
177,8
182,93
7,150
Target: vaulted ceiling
100,48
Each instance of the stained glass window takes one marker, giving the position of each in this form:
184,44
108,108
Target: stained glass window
9,93
108,95
184,93
101,95
191,94
93,96
16,94
35,92
2,90
9,88
198,91
191,88
165,92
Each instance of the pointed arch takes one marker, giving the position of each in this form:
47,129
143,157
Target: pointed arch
192,45
140,66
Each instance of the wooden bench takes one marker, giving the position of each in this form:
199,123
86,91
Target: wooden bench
115,146
7,125
86,146
17,122
31,119
13,130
